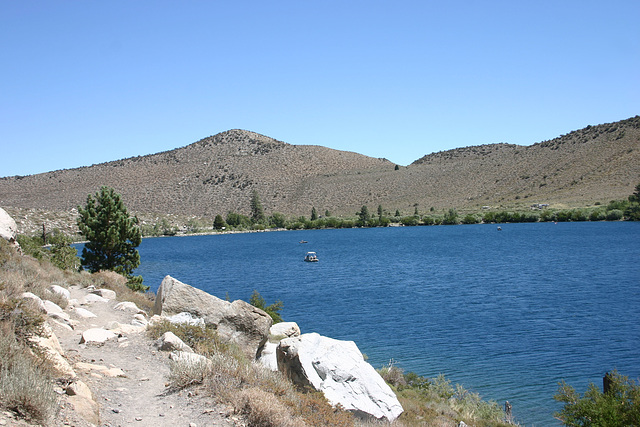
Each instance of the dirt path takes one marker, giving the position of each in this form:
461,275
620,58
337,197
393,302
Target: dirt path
139,395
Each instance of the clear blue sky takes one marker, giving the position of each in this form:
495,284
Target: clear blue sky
84,82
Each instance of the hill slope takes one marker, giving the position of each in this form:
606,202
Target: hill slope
218,174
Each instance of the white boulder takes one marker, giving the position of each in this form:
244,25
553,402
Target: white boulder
8,228
338,369
277,332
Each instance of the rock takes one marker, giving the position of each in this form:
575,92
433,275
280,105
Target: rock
87,409
125,329
36,300
186,318
170,342
8,229
78,388
50,345
128,306
97,336
139,320
277,332
238,322
91,298
55,312
83,313
59,290
100,369
285,329
105,293
338,369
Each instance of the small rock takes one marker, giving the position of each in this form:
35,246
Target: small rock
170,342
97,335
105,293
35,299
128,306
59,290
83,313
91,298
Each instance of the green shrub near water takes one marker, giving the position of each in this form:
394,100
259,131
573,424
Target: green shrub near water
619,406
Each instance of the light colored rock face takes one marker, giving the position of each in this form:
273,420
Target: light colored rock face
190,359
8,227
338,369
238,322
170,342
277,332
285,329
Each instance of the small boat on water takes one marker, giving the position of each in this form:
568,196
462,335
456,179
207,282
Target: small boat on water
311,257
303,241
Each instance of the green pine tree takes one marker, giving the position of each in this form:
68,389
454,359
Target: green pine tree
257,212
112,235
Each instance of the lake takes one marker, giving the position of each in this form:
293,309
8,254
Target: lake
506,313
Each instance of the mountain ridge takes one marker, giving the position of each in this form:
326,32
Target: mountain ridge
217,174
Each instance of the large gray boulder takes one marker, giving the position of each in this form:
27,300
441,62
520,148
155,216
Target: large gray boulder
8,228
338,369
236,321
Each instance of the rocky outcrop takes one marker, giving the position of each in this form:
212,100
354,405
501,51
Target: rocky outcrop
8,228
238,322
338,369
278,332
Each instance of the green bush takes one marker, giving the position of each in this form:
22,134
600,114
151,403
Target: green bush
470,219
615,215
619,406
272,310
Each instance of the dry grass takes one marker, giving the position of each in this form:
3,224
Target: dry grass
264,397
26,375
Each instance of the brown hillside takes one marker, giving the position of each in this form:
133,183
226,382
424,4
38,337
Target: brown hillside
217,174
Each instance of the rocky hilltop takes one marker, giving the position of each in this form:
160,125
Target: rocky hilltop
217,175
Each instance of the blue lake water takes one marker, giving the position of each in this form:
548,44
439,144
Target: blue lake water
506,313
